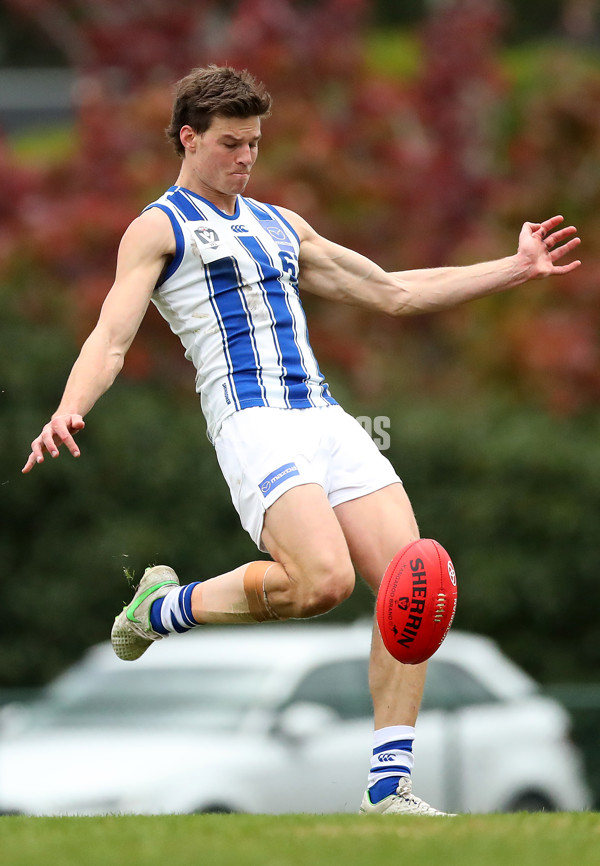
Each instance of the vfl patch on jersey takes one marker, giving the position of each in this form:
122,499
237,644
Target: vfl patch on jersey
207,236
210,247
274,479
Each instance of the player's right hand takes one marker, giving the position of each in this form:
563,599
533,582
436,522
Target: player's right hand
58,431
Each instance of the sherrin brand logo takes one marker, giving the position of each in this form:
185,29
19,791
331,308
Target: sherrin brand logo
275,478
417,603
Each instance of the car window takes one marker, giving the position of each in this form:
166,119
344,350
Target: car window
342,686
181,697
449,687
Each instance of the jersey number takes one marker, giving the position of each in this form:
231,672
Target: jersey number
288,263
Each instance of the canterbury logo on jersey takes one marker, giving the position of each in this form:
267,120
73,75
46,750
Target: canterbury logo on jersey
239,230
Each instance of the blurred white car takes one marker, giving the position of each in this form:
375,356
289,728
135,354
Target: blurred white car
277,718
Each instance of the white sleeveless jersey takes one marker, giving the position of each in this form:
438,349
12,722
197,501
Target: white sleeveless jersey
231,295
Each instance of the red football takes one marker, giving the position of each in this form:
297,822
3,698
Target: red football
416,601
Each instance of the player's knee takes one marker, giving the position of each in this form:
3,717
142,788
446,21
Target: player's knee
335,585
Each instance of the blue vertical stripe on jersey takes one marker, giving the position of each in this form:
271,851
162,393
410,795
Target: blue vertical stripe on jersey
237,333
272,322
294,372
226,354
252,331
186,208
324,386
179,243
269,216
259,212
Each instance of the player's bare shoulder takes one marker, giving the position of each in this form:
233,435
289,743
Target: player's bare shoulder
303,229
150,235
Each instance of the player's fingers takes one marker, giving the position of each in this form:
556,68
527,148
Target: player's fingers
31,461
48,442
566,269
559,236
530,228
37,453
53,435
559,252
67,429
70,444
552,223
57,434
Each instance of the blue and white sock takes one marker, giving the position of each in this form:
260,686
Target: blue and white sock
392,758
173,612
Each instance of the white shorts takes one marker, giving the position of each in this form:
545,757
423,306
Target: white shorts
264,452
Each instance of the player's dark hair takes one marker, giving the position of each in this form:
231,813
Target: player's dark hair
215,90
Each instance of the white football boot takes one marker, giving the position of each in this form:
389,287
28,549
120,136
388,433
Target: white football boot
132,633
401,802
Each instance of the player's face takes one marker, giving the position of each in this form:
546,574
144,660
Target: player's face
222,157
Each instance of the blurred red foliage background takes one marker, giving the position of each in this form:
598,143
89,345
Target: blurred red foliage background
438,169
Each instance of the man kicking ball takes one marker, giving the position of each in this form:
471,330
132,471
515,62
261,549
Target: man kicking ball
309,484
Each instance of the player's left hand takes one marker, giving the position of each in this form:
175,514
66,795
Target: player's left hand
542,245
58,431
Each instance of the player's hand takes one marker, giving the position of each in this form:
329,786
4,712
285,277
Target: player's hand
542,245
59,431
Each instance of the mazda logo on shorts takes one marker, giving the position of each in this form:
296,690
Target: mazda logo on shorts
277,477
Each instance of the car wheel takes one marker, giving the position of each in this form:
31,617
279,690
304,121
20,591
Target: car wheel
532,801
215,809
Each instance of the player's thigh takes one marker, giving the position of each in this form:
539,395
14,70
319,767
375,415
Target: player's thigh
302,532
376,527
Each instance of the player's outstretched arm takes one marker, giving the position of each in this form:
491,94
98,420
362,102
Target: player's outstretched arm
541,249
142,255
335,272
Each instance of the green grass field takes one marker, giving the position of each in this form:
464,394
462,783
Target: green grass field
568,839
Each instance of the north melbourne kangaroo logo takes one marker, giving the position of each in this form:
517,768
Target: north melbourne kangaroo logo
276,233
